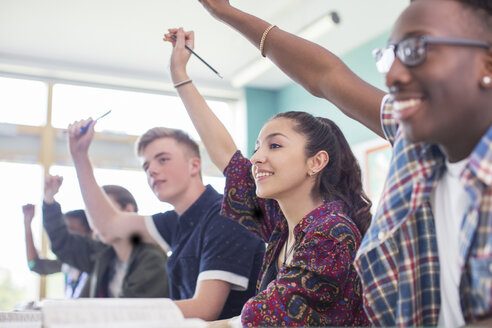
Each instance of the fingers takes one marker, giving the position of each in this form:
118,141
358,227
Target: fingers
182,37
55,179
28,211
190,39
28,208
168,36
75,129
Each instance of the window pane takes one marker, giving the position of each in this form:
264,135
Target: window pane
21,184
132,112
23,101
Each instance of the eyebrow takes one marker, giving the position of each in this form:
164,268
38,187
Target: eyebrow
411,34
160,154
155,156
273,135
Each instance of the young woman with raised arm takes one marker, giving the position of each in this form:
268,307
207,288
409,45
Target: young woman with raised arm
297,196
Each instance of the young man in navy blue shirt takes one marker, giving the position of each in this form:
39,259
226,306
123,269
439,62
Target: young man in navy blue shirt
215,262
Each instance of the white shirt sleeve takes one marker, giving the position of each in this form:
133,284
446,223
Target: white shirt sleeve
239,283
154,233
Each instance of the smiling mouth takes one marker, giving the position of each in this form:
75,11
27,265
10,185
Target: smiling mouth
404,109
262,175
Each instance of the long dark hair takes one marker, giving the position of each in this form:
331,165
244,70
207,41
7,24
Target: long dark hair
341,178
121,195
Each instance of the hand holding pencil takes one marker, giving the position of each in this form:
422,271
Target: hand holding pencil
183,44
79,140
180,55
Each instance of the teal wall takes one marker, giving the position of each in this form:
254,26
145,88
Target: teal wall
261,105
294,97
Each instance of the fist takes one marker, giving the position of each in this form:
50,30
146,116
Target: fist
28,211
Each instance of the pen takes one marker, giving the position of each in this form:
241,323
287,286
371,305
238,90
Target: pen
203,61
84,128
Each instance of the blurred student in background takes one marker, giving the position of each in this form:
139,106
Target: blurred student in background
76,222
123,268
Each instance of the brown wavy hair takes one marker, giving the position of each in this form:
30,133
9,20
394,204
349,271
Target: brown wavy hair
341,177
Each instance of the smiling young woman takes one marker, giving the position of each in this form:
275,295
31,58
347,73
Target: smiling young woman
301,193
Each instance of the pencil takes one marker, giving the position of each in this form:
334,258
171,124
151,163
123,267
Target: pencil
203,61
84,128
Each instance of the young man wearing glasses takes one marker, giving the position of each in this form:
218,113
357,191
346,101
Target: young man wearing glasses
427,257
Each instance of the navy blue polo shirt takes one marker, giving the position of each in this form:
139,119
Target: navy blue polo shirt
206,245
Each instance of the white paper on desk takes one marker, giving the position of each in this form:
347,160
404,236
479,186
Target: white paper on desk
186,323
21,319
113,312
21,324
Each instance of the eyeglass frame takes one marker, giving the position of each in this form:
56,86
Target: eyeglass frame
423,41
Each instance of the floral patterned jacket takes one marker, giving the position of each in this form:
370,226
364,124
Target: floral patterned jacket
320,286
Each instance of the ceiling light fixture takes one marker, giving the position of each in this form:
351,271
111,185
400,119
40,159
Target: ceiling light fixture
310,32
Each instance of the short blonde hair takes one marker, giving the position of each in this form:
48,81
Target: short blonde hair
161,132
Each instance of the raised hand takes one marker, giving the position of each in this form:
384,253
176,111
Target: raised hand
28,211
52,184
180,54
214,6
79,141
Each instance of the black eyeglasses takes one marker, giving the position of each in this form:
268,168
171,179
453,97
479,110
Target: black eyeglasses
412,51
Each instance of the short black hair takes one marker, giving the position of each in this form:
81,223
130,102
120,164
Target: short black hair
482,5
80,216
481,12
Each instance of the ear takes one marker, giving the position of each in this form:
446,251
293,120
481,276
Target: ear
129,208
195,166
486,74
318,162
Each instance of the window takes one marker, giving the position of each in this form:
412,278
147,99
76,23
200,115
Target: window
21,184
132,113
23,101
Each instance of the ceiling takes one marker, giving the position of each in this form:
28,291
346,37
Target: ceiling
118,42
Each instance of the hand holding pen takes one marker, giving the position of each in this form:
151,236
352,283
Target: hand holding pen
84,128
80,135
183,44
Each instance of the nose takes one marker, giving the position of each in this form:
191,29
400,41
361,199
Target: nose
258,157
151,171
398,74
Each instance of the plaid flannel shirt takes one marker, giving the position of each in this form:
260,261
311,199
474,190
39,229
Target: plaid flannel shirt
398,259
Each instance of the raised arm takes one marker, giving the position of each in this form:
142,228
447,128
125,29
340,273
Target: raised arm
109,222
31,251
318,70
36,264
216,138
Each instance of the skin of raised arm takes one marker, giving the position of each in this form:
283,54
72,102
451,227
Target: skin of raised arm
208,301
110,223
216,138
318,70
31,251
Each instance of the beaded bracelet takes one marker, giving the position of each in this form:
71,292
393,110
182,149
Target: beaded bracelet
182,83
263,37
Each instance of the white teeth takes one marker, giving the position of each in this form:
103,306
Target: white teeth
263,174
400,105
